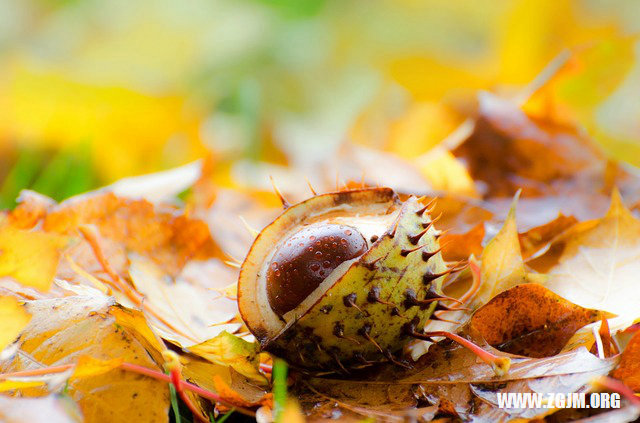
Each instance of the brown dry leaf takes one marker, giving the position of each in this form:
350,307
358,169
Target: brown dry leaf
241,394
452,378
63,330
628,371
48,409
510,150
32,207
531,320
213,376
164,234
456,247
17,251
13,319
598,264
184,313
536,238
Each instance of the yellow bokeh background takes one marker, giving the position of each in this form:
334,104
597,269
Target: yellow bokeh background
123,88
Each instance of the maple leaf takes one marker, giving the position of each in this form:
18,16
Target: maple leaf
597,266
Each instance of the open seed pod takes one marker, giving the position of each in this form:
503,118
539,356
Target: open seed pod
334,281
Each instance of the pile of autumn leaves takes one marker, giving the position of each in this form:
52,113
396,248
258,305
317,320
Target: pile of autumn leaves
94,291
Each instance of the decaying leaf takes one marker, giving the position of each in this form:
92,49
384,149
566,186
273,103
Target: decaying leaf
167,236
629,369
451,377
530,320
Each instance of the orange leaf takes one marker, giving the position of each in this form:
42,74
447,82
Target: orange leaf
531,320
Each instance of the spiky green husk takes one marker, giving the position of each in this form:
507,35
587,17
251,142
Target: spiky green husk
348,326
362,316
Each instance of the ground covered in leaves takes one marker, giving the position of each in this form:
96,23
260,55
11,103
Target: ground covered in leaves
120,304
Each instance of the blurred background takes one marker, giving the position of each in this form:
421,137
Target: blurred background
93,91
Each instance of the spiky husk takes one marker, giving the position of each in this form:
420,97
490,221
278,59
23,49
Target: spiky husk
360,318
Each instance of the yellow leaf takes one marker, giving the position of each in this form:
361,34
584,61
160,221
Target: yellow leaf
420,129
227,349
10,385
446,173
64,329
502,264
89,366
13,318
29,257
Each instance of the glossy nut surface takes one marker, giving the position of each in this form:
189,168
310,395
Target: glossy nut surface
305,259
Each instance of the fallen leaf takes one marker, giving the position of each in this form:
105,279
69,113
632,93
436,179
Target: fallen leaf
63,330
184,313
239,396
502,264
13,319
456,247
628,371
229,350
598,267
452,376
531,320
17,251
510,150
164,234
537,238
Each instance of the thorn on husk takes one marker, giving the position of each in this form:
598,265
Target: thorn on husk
283,200
372,264
338,330
358,356
395,361
365,332
413,239
392,233
429,224
427,278
423,209
426,255
313,191
405,252
350,301
337,360
374,297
